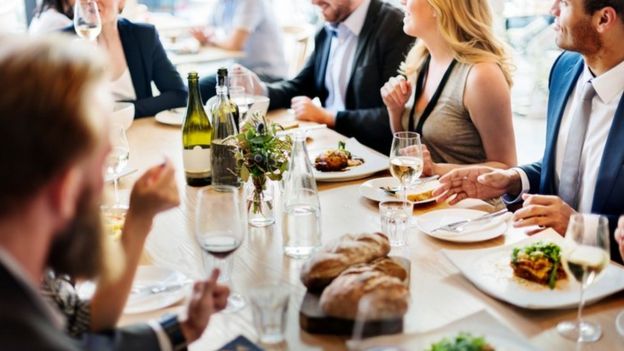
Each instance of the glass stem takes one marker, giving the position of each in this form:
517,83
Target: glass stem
579,315
404,191
116,186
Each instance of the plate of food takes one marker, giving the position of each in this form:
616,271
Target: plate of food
173,117
433,222
387,189
348,160
479,331
341,273
527,274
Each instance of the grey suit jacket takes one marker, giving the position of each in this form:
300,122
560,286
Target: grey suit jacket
381,47
25,325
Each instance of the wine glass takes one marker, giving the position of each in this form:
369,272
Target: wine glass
118,157
87,22
219,229
406,160
585,256
241,88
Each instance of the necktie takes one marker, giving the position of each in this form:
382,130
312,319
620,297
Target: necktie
570,178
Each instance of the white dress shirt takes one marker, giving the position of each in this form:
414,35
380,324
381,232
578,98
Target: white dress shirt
341,56
48,21
609,88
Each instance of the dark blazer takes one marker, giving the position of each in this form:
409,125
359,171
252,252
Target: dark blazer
381,47
608,195
24,325
147,62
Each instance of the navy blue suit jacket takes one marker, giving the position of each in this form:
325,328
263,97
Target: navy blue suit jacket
147,62
609,192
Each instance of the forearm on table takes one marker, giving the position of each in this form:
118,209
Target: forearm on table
110,296
443,168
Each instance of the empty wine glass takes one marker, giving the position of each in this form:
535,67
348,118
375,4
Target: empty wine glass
87,22
585,256
241,89
118,157
406,160
219,228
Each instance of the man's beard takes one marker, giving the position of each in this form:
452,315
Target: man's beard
78,250
583,39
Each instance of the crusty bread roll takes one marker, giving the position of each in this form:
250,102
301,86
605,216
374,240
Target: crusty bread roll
388,296
348,250
385,265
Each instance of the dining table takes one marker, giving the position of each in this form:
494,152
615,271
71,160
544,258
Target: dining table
439,294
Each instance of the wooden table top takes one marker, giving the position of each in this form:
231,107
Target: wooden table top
439,293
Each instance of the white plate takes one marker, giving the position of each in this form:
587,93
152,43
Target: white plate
489,270
373,162
174,117
481,231
152,275
371,189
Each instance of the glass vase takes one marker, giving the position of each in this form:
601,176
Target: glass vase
260,202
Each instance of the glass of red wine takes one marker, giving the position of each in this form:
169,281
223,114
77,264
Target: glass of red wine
219,230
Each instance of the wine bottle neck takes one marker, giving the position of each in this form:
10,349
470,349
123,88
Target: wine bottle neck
194,94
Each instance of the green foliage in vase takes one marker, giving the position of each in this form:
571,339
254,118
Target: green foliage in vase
261,154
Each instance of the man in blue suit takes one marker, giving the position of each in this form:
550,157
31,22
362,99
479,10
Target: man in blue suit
582,168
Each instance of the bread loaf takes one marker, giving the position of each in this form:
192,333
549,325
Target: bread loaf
385,265
388,296
333,259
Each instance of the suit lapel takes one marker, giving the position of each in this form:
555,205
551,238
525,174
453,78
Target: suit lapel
558,100
612,158
322,69
133,57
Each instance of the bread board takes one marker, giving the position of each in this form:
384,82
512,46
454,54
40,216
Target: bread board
313,320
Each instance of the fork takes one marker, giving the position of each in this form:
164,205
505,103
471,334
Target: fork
458,227
393,190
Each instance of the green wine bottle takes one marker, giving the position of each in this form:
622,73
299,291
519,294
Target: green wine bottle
224,117
196,137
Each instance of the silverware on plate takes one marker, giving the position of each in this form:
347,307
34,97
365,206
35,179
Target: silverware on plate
158,288
459,226
393,190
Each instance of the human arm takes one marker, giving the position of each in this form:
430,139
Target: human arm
154,192
479,182
395,94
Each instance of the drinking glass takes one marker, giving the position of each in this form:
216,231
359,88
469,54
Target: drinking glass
219,227
270,306
406,160
394,216
118,157
241,89
87,22
585,256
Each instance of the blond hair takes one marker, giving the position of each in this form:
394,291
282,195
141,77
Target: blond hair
466,26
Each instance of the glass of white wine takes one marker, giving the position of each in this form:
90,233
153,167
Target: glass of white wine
585,257
406,160
87,22
118,157
241,89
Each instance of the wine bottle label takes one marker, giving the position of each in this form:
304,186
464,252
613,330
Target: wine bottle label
196,160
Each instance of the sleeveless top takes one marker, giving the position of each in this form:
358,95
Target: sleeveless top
448,132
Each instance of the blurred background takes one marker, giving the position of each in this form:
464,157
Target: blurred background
523,24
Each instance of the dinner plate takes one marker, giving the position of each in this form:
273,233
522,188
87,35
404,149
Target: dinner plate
489,270
371,189
174,116
476,232
373,162
148,276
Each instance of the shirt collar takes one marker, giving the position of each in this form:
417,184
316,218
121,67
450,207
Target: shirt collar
355,22
608,85
20,275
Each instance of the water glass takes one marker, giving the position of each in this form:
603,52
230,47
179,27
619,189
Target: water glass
394,216
270,305
114,219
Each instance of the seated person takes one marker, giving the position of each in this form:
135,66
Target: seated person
581,167
51,16
154,192
619,236
457,91
137,59
249,26
50,216
359,49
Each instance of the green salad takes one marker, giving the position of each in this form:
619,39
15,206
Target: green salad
462,342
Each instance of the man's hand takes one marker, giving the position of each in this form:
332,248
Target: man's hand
619,235
204,36
208,298
306,110
258,85
478,182
544,211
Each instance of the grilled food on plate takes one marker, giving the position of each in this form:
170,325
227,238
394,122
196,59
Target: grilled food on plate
335,160
539,262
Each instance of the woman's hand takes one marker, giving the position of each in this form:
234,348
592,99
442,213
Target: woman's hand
395,94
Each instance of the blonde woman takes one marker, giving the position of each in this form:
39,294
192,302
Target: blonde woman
456,87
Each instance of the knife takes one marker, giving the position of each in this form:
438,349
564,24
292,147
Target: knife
453,226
